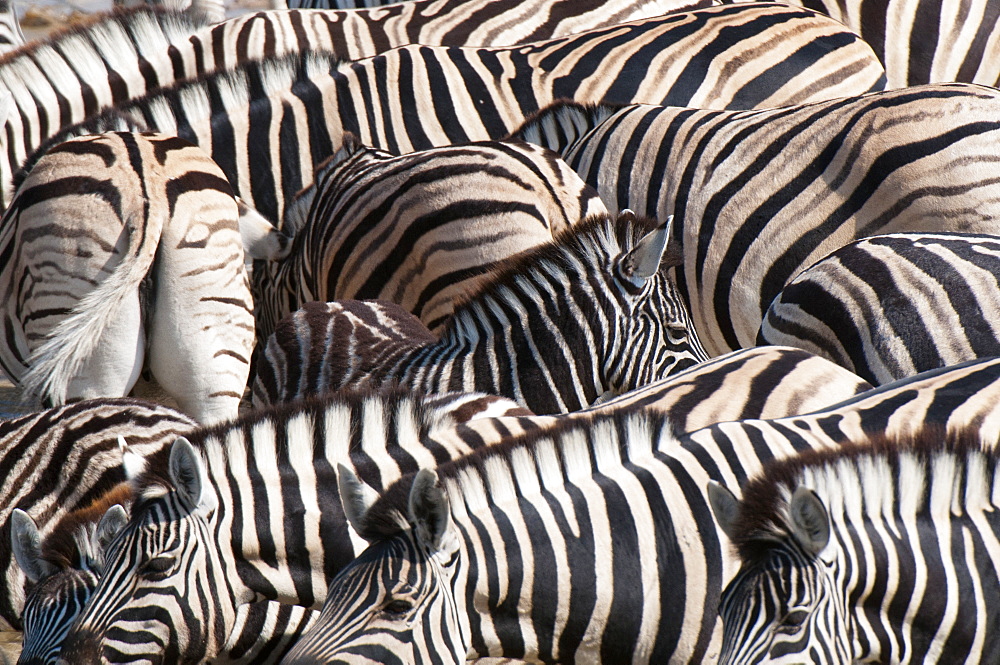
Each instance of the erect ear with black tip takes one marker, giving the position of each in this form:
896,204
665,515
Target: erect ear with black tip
430,511
643,260
132,463
187,473
356,497
810,520
725,507
26,543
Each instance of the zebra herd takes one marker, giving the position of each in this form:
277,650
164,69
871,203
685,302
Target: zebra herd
517,331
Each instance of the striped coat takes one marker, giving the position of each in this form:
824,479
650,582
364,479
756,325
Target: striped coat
758,196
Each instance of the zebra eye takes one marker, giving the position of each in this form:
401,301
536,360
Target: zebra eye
793,621
157,567
397,607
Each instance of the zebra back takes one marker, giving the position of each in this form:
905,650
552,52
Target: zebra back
421,230
161,278
759,196
805,525
890,306
61,459
638,62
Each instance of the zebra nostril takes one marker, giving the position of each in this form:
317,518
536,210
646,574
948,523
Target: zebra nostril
82,648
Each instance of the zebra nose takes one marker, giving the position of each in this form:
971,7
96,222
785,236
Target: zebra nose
81,648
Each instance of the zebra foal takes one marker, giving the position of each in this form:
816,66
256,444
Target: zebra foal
124,249
554,329
893,305
886,552
758,196
420,230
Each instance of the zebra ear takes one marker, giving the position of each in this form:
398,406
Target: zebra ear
430,511
810,520
26,543
189,478
356,497
725,506
261,239
643,260
114,520
131,462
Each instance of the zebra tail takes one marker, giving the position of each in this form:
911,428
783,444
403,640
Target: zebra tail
53,364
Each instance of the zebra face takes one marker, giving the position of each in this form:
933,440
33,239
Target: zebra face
49,610
395,602
163,596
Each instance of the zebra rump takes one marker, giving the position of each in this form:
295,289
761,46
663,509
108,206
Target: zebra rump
151,270
421,230
758,196
890,306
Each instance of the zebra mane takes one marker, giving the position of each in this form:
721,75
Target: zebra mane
584,246
941,472
562,123
154,481
69,542
574,448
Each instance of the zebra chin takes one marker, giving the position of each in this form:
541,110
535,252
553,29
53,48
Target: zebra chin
82,647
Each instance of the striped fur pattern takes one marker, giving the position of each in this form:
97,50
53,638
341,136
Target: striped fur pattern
275,530
11,36
211,11
62,80
521,622
144,230
759,196
455,96
890,306
924,41
880,553
56,461
72,560
421,230
554,329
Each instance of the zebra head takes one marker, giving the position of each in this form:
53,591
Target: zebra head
783,606
395,601
136,608
61,583
655,336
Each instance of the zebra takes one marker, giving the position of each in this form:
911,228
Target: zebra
150,271
588,542
924,42
538,12
553,329
58,460
285,454
456,97
211,11
11,36
759,196
879,553
421,229
889,306
964,395
116,58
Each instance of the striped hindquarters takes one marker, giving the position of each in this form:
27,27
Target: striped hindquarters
888,307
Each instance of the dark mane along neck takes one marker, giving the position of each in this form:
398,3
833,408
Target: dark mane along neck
586,246
572,447
764,518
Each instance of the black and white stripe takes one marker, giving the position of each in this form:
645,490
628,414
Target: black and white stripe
421,230
924,41
145,232
455,95
554,329
590,541
56,461
758,196
11,36
886,552
890,306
